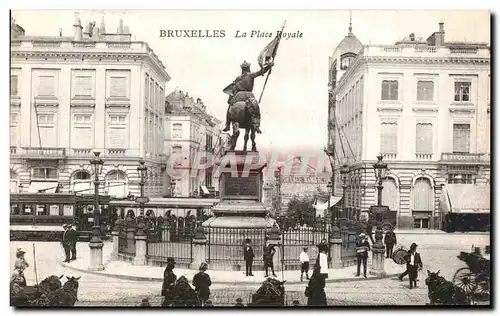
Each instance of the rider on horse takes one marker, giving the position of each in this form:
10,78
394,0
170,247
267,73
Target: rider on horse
241,90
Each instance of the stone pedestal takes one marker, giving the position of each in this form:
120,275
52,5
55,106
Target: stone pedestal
140,250
116,241
336,252
199,251
378,258
96,256
130,240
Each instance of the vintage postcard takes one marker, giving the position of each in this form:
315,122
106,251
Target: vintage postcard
250,158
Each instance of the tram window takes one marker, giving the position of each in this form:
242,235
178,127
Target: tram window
14,209
41,210
28,210
68,210
54,210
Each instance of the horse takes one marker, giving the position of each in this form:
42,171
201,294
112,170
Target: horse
270,293
67,295
240,118
443,292
184,294
35,295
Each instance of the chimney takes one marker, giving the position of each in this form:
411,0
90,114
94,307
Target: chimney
77,29
441,27
102,27
412,37
60,32
440,35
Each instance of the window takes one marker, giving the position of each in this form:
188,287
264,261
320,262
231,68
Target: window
177,155
346,62
425,91
177,130
461,178
118,87
46,86
462,91
44,173
117,119
424,138
14,91
13,118
390,194
82,182
46,118
461,138
423,197
83,86
82,175
117,184
82,119
208,177
390,90
146,89
421,223
389,138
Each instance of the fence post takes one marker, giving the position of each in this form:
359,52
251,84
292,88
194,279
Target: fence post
130,231
140,245
199,245
116,239
335,240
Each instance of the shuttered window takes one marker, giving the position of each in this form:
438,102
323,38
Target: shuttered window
83,86
117,87
389,138
423,197
462,91
390,194
14,91
461,138
390,90
424,138
425,90
46,86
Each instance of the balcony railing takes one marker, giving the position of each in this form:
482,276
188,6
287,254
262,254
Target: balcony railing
82,152
44,152
465,157
13,150
116,152
390,156
420,156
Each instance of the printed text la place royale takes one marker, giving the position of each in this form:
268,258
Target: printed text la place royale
224,33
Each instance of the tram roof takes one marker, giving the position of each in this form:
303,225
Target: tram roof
169,202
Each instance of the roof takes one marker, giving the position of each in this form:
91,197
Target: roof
350,44
466,198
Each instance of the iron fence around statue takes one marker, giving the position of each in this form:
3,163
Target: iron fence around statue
294,241
171,242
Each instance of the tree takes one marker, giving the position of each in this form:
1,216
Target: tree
301,211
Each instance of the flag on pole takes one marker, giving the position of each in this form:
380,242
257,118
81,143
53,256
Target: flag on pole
268,53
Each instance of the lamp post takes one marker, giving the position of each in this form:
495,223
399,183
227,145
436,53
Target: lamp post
172,187
329,186
378,210
142,170
277,176
95,243
344,171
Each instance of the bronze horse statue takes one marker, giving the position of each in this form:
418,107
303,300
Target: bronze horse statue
271,293
241,118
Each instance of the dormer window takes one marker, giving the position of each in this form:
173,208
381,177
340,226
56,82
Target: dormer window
346,60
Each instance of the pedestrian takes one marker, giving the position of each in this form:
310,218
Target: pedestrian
362,249
295,303
18,274
389,241
66,243
169,278
268,255
323,246
201,283
414,264
304,264
73,239
369,231
20,260
239,302
315,290
323,261
248,255
209,303
145,303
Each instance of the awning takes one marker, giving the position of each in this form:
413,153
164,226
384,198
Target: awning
323,205
205,190
39,185
465,199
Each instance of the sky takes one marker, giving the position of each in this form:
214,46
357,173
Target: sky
294,103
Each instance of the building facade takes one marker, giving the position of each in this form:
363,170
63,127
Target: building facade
189,131
73,95
422,104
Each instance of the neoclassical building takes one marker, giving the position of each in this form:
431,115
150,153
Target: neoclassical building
71,95
425,106
190,130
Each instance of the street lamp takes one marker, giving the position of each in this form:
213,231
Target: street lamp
344,170
329,186
97,164
142,170
277,176
379,167
172,187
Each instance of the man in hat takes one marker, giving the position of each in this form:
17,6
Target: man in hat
267,256
304,264
169,279
239,302
66,243
362,248
201,283
390,240
248,255
73,239
413,264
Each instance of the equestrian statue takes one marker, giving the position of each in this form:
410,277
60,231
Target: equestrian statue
243,111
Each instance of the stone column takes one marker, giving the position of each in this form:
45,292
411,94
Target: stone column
378,257
116,241
130,231
140,250
96,256
199,248
336,252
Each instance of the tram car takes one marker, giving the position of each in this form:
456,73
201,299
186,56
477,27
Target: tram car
40,216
